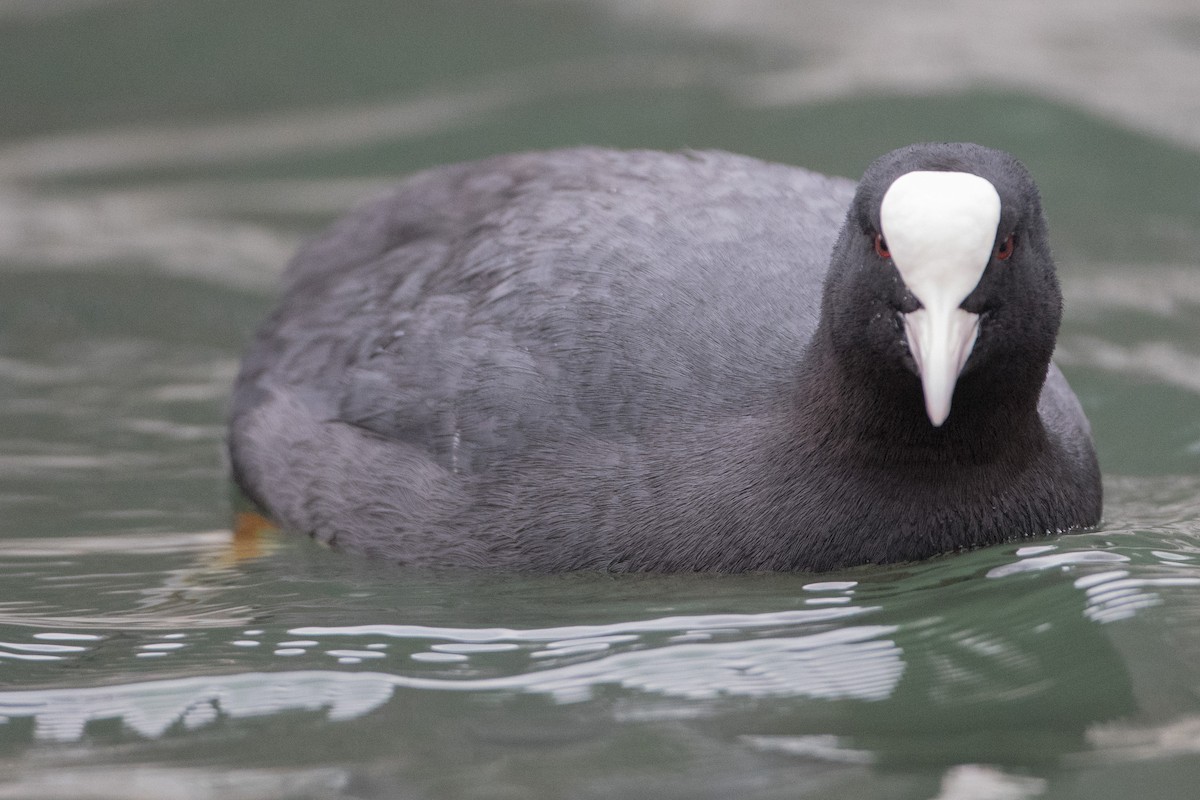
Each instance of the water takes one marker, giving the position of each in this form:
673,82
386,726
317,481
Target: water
159,161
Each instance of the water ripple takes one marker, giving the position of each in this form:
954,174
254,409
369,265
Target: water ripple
710,622
1060,561
857,662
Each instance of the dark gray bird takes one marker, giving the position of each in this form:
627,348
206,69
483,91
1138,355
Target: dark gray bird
588,359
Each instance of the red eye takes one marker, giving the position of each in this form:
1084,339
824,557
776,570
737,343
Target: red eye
1005,249
881,248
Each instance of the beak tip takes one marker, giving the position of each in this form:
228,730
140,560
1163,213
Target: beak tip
937,412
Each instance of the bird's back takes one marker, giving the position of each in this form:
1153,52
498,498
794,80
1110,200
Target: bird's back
612,291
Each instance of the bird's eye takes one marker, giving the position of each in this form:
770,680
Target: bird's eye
881,248
1004,250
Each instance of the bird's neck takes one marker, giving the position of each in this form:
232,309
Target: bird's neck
876,412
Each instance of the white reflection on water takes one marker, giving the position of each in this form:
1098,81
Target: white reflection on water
140,543
144,782
41,648
336,127
55,636
95,230
39,651
186,228
1159,360
844,663
1111,595
1114,595
151,708
712,622
169,600
1136,63
1163,290
1061,561
822,746
1132,742
984,782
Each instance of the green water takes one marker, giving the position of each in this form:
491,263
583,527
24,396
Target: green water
160,160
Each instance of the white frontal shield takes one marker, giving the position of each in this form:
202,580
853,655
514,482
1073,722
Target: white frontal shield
940,228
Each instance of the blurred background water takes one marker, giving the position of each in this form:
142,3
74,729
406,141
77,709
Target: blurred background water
160,160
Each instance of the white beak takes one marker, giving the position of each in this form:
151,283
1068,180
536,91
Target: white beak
940,228
940,339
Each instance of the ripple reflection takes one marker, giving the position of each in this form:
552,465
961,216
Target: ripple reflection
856,662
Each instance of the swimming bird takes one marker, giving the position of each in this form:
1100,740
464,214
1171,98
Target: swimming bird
589,359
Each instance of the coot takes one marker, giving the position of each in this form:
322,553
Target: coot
643,361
